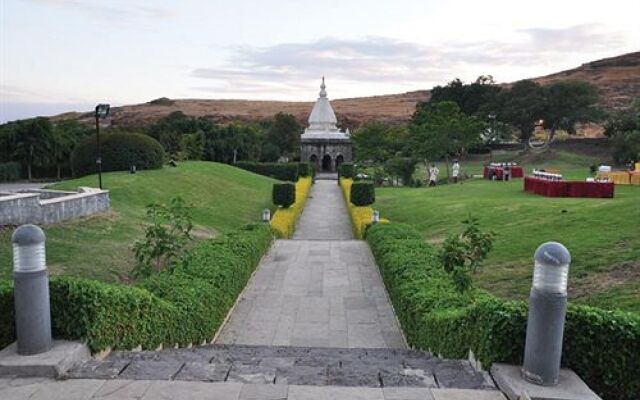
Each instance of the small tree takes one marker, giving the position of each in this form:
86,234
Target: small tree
32,140
165,238
284,131
521,106
463,254
402,167
569,103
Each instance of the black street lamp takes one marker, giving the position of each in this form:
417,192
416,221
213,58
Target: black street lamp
102,111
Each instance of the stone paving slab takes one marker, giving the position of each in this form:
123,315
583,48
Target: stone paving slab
325,215
12,388
315,293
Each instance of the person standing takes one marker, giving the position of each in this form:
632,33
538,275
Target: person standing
433,175
455,171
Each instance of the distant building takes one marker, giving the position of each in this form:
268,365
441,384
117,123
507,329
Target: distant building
323,144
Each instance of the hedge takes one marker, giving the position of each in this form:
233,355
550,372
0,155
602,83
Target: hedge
180,306
284,220
361,217
283,194
119,152
601,346
362,194
346,170
280,171
305,169
9,171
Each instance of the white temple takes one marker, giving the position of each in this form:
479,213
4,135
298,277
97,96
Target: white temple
323,144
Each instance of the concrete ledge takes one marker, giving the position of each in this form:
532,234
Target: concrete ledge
569,387
54,363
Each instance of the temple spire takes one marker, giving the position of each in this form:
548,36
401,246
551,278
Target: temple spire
323,92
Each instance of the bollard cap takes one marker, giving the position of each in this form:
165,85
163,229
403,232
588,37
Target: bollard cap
551,271
28,249
27,235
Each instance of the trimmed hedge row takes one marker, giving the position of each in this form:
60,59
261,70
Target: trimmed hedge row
119,152
181,306
280,171
601,346
362,194
283,194
9,171
306,169
346,170
361,217
284,220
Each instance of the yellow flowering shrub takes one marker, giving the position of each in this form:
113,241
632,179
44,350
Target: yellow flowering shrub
360,216
284,220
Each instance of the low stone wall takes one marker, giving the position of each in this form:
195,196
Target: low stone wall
50,206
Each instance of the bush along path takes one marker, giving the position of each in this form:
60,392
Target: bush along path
315,313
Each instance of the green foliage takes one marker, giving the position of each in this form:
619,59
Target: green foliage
119,152
626,147
601,346
182,306
284,194
623,121
165,237
376,142
404,167
280,171
305,169
31,142
284,132
442,129
568,103
362,193
472,99
521,106
463,254
346,170
9,171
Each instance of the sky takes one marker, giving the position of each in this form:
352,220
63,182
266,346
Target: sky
68,55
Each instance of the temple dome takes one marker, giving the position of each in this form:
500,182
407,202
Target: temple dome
322,120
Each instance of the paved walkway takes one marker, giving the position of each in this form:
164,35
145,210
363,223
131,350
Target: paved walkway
320,289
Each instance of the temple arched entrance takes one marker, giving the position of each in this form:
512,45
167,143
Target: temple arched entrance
326,163
339,160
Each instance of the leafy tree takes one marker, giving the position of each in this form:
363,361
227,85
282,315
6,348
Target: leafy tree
284,131
193,145
522,107
568,103
165,237
623,120
471,98
231,143
442,130
463,254
64,137
377,142
32,141
402,167
626,147
170,129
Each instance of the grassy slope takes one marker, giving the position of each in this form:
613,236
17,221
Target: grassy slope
99,247
602,234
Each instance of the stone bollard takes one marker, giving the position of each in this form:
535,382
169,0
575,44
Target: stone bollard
266,215
547,311
31,291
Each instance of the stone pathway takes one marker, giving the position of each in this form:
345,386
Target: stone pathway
325,214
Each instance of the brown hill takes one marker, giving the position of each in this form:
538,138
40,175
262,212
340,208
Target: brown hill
618,78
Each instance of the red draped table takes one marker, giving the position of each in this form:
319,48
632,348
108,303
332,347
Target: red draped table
498,171
546,187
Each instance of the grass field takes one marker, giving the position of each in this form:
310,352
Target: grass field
99,247
602,235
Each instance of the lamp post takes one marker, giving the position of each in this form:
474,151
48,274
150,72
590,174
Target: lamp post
266,215
375,217
31,291
102,111
547,311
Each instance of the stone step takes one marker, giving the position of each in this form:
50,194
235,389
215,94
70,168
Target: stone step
317,366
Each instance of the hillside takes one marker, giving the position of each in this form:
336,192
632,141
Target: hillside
222,197
618,78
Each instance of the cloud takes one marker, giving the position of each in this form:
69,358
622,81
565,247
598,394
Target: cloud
112,10
383,60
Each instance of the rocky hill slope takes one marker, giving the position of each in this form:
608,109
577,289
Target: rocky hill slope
618,79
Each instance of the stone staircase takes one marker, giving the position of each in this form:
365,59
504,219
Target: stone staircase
316,366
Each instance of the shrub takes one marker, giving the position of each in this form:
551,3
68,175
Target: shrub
280,171
284,194
361,217
9,171
362,194
601,346
346,170
284,220
305,169
185,305
119,152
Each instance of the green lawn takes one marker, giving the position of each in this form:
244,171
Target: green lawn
601,234
99,247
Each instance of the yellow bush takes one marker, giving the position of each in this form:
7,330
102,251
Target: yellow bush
360,216
284,220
